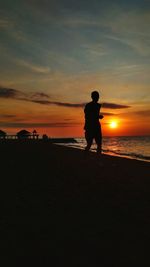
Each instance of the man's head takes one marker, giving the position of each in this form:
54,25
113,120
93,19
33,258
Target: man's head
95,96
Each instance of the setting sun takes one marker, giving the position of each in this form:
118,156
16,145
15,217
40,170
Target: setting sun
113,124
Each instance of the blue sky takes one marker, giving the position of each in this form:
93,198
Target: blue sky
67,48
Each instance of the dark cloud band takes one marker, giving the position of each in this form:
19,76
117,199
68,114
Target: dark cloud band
8,93
114,106
37,125
44,99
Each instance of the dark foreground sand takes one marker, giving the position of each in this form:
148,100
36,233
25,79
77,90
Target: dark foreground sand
63,207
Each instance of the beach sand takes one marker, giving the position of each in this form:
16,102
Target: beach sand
66,207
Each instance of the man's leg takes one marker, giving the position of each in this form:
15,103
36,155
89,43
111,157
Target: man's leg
89,141
99,149
98,140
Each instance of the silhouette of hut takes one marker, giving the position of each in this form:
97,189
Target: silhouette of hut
2,134
23,134
45,137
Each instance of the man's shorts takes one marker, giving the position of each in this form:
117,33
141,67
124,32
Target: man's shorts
93,134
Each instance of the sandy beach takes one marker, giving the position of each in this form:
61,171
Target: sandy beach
66,207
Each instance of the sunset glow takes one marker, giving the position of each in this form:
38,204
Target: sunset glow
57,52
113,124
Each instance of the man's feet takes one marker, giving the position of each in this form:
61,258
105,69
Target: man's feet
87,148
99,151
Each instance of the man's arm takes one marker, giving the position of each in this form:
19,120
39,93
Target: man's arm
101,117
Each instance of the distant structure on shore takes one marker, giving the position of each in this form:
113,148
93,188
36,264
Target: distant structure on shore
35,135
45,137
24,134
21,135
2,134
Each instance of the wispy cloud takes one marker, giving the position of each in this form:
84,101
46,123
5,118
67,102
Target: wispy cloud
132,29
61,104
37,124
39,99
40,95
137,42
34,67
94,49
143,113
7,116
10,93
108,114
114,106
140,113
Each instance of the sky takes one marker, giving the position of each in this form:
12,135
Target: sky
53,53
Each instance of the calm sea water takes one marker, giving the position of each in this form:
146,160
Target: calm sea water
134,147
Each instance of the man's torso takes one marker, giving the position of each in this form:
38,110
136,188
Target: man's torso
92,111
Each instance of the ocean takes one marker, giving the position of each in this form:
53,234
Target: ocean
133,147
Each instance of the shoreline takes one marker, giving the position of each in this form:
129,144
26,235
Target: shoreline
75,143
113,154
5,142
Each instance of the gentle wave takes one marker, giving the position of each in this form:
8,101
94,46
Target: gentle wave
128,147
129,155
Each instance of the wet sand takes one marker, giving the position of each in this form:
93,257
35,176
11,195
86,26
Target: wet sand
66,207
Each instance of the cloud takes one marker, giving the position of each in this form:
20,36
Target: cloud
138,120
114,106
108,114
39,99
62,104
7,116
40,95
37,124
132,29
142,113
35,98
34,67
72,105
18,95
9,93
94,50
78,105
137,42
42,102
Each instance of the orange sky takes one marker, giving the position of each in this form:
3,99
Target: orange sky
56,53
55,120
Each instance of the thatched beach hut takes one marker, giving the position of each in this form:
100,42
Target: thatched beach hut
23,134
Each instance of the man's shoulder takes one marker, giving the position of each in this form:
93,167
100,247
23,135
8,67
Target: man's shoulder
88,104
91,104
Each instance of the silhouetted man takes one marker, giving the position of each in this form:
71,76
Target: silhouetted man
92,125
